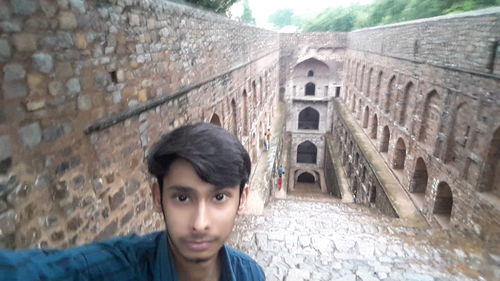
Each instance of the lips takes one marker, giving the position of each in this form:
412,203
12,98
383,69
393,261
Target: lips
198,246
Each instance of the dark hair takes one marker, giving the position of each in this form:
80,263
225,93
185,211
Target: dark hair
217,156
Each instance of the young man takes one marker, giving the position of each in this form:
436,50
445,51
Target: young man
201,173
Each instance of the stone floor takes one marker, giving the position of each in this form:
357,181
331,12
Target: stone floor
308,237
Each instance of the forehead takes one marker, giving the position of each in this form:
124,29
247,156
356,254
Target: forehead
182,174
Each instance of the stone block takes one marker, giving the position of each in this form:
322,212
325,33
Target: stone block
24,7
77,6
31,135
56,88
74,223
43,62
34,105
128,216
134,20
14,89
8,222
107,232
11,26
25,42
64,70
67,21
13,72
5,147
48,7
53,133
132,186
37,84
84,102
116,200
5,52
73,86
80,40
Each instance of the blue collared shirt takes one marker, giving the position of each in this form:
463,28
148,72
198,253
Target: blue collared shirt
138,258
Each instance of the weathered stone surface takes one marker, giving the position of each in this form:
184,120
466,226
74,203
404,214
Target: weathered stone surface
8,223
25,42
14,89
24,7
13,72
84,102
108,231
5,52
5,147
116,200
37,84
67,21
31,134
52,133
11,26
77,6
73,86
48,7
43,62
64,70
34,105
56,88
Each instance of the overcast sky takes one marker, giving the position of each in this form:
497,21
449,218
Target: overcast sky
262,9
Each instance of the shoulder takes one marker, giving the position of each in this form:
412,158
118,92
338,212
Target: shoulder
243,266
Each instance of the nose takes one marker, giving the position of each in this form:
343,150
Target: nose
201,218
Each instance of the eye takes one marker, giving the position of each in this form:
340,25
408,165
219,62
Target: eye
181,198
220,197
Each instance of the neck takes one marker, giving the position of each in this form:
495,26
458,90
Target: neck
189,270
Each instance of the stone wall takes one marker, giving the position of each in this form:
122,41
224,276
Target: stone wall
87,88
429,102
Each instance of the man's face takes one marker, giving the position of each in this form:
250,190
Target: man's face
198,217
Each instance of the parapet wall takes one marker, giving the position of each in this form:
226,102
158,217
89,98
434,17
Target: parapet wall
71,69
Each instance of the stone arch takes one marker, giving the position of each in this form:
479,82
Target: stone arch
261,90
374,130
361,82
443,205
360,106
390,95
399,155
490,180
310,73
366,116
369,82
386,136
409,91
254,93
420,177
306,177
308,119
373,194
430,118
310,89
306,152
353,109
356,75
215,120
355,188
234,121
460,132
377,88
245,113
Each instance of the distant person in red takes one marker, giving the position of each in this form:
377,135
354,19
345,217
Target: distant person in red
280,177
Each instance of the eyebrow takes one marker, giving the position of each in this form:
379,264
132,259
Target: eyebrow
181,188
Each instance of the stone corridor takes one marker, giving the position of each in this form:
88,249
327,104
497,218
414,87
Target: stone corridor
307,237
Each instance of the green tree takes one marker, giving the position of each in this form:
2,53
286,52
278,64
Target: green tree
247,13
282,17
218,6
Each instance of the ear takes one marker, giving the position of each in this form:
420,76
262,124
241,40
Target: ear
155,192
243,200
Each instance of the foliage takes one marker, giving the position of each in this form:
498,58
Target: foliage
218,6
247,13
283,17
388,11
